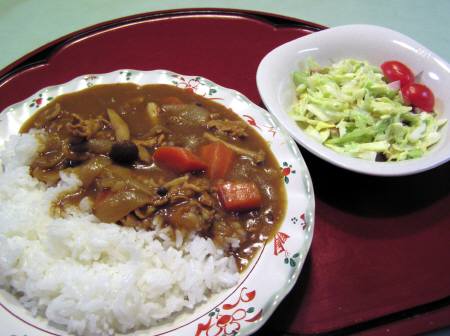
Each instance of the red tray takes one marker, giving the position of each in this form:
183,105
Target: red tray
380,255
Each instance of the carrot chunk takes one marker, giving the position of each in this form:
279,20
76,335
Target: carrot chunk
219,159
178,159
239,196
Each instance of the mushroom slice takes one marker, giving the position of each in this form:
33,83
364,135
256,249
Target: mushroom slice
144,155
153,112
119,126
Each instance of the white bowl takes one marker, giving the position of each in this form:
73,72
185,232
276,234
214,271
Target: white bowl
376,45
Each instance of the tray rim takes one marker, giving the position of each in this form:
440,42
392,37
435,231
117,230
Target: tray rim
42,54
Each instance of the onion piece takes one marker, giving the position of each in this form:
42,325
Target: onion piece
89,170
117,205
394,85
176,181
255,156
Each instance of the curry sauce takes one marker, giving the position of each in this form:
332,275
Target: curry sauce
158,155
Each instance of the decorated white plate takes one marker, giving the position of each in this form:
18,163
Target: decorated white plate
244,308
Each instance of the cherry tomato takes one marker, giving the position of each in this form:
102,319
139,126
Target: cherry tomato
418,95
396,71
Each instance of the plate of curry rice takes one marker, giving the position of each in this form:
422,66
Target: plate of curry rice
147,203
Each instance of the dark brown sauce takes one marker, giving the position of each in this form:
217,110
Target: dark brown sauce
182,121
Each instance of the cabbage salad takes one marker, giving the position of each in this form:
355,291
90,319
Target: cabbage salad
349,108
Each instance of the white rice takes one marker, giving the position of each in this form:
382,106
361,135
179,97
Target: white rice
89,277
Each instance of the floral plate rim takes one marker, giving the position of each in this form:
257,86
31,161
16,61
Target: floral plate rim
297,225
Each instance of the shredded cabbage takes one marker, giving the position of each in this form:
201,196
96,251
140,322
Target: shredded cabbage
349,108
